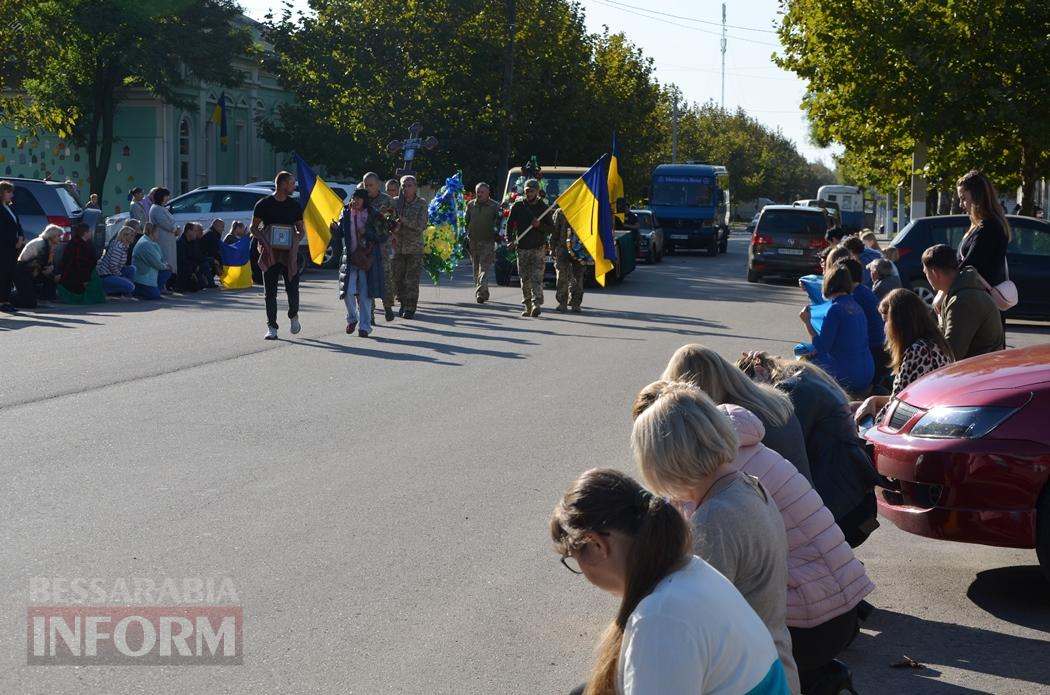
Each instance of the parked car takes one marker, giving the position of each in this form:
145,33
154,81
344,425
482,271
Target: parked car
1028,258
786,240
40,203
965,453
650,237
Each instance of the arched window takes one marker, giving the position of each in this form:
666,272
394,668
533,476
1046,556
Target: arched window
184,155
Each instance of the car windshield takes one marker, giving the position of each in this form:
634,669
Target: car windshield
683,190
792,222
552,184
645,220
69,199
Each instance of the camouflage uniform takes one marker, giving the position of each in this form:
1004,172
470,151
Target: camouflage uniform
570,272
530,248
408,254
376,206
482,229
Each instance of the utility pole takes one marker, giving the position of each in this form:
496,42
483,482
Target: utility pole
918,182
723,56
674,124
506,94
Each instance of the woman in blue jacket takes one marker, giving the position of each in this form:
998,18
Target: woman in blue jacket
151,270
842,343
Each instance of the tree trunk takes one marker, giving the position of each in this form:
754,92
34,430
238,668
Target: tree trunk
1028,178
507,95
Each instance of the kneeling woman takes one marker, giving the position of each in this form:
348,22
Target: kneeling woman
842,343
681,626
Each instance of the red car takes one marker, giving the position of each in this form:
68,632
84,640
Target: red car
965,452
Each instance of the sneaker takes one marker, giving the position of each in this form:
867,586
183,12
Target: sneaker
410,313
482,300
561,309
350,327
575,308
535,311
527,311
271,333
389,314
8,308
296,326
362,334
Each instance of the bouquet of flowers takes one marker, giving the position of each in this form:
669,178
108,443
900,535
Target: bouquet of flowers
443,238
384,224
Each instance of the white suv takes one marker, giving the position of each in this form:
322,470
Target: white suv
230,203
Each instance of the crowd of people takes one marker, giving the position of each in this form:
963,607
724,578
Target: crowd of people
733,557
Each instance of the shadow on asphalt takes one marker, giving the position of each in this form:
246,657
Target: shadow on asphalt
946,645
1018,595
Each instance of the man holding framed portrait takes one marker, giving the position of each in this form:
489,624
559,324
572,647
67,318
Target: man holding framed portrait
277,226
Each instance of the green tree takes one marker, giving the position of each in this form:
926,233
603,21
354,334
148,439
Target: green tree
970,81
71,63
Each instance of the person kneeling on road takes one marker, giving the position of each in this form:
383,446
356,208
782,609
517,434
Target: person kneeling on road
570,271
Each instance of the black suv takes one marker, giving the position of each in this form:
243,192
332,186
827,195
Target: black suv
786,240
1028,258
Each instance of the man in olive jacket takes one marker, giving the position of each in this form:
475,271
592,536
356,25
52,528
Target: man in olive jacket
969,318
530,235
407,263
482,219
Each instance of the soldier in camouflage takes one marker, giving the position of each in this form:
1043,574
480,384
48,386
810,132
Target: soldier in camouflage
482,219
378,204
570,271
530,236
408,245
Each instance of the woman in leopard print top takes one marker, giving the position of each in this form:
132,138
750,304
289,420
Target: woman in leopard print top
914,342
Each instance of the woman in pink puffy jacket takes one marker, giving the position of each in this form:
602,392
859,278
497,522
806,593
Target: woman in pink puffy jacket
825,581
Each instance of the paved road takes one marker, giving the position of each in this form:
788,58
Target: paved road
381,505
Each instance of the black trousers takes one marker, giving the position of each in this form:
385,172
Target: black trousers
7,277
291,287
815,646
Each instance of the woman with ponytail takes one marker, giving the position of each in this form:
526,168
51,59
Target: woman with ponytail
681,628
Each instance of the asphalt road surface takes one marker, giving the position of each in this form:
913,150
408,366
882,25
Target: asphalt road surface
381,505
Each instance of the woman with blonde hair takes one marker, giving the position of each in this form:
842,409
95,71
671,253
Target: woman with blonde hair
681,626
703,367
118,278
796,570
843,475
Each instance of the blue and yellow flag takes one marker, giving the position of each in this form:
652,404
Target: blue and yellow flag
236,264
321,207
218,117
615,181
585,205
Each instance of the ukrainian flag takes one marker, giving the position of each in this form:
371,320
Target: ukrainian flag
615,182
218,117
236,264
321,207
585,205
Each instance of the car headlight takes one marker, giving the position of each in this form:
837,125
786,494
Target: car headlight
960,422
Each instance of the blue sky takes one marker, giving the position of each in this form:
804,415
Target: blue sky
684,39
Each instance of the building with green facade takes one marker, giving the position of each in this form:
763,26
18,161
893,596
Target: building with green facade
157,144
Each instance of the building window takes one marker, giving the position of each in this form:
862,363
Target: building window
184,155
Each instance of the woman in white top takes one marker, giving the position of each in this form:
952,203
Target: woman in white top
167,232
682,628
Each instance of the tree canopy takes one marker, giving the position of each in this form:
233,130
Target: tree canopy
969,80
70,63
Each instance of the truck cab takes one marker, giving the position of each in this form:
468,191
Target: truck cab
692,204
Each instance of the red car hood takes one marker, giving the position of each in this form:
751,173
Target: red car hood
1006,377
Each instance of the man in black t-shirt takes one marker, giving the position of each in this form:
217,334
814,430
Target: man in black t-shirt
282,209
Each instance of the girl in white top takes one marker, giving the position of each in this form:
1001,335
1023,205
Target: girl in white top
682,628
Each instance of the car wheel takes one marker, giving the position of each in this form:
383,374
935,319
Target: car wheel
1042,532
753,275
660,256
724,246
651,256
669,250
332,255
503,279
304,260
712,250
925,292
